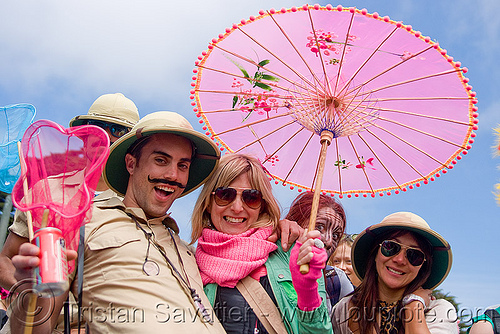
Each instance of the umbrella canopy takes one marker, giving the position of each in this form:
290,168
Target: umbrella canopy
393,108
14,120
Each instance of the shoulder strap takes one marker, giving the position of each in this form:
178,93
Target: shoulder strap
495,317
262,305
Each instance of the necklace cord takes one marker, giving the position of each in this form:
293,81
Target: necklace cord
194,295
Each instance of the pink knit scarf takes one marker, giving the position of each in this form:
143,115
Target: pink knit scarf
225,259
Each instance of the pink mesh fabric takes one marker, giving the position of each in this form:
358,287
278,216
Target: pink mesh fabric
63,167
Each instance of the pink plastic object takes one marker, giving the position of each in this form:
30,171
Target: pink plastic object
63,167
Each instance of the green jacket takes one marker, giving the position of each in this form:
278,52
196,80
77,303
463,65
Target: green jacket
280,278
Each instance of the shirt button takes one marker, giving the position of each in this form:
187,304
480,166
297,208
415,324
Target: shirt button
281,276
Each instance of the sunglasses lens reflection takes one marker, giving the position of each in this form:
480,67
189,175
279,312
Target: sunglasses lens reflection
225,196
118,130
415,257
115,129
252,198
390,248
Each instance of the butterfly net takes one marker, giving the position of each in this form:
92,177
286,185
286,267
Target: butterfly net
14,120
62,169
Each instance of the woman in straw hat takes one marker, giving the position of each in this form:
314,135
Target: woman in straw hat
245,275
399,261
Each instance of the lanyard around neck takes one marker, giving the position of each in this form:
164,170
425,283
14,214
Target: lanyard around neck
150,237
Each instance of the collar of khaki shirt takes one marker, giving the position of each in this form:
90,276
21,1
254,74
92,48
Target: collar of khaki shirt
138,213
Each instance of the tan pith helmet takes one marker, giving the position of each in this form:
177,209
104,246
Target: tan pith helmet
113,108
205,159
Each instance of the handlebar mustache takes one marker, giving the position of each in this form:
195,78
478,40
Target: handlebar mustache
170,183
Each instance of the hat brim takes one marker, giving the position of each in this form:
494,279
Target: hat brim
80,120
202,166
442,257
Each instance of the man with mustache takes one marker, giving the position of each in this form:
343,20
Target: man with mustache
139,276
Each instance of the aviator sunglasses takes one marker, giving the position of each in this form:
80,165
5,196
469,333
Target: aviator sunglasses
390,248
226,195
115,129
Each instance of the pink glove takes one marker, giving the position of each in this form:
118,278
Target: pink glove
306,285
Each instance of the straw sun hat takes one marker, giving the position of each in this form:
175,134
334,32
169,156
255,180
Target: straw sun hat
202,166
112,108
441,251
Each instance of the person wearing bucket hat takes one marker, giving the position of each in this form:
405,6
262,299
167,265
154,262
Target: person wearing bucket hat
399,260
134,259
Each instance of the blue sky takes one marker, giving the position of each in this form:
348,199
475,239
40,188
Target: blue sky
60,56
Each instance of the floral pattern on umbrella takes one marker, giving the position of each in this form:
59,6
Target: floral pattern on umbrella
394,109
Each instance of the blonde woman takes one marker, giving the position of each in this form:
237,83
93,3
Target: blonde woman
233,217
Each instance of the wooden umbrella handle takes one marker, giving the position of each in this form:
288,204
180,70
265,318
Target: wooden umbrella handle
326,139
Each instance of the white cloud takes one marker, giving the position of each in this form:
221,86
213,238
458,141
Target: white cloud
140,46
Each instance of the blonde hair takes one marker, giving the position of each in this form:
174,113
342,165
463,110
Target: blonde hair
230,167
346,240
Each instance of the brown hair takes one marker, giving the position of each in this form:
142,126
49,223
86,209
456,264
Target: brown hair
300,210
365,296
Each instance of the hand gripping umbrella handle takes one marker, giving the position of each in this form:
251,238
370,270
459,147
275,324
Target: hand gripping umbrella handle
326,139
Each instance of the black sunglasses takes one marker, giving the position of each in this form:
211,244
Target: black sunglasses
226,195
390,248
115,129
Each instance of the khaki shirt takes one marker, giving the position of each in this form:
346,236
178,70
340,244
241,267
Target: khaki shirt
71,184
118,297
20,228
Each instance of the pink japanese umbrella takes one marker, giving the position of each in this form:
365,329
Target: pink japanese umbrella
61,172
336,100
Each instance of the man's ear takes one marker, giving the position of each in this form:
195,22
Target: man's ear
130,163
